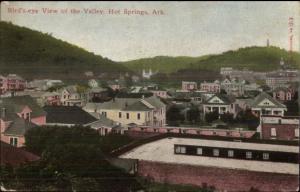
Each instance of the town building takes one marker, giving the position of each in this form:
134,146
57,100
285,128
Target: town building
264,104
211,87
149,74
283,94
72,96
12,83
189,85
125,111
282,78
51,98
67,116
279,128
221,104
217,163
93,83
233,86
97,94
18,115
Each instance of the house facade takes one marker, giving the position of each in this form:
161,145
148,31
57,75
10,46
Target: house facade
283,94
211,87
279,128
12,82
188,85
281,78
233,86
19,114
219,103
71,96
264,104
125,111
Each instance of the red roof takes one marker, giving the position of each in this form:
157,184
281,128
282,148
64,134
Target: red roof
15,156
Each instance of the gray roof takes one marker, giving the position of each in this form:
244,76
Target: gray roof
258,99
130,104
225,98
19,126
14,104
103,122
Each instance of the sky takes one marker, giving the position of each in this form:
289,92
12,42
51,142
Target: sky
181,28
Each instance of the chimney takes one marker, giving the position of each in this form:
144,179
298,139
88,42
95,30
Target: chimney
3,113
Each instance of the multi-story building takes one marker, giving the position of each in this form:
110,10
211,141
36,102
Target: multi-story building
15,83
211,87
282,78
12,82
3,84
71,96
140,111
233,86
189,85
19,114
283,94
280,128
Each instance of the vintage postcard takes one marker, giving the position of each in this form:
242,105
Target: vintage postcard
149,96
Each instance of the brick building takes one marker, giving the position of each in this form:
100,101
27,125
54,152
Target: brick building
280,128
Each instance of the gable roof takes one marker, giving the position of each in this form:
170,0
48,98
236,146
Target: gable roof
19,127
137,106
225,98
15,104
125,104
262,96
15,156
68,115
103,122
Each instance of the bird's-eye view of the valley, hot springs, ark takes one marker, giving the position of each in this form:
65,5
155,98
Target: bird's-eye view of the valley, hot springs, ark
149,96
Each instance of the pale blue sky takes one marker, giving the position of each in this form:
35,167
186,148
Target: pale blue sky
186,28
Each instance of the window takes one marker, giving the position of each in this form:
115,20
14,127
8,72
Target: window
13,141
127,115
216,152
265,156
120,114
199,151
180,149
297,132
273,132
230,153
138,116
248,155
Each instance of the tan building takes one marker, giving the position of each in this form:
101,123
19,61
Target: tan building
125,111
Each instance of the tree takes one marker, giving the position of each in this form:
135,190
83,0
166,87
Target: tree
227,117
68,153
247,117
193,115
174,116
211,116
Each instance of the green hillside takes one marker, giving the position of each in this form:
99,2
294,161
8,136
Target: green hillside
253,58
163,64
33,54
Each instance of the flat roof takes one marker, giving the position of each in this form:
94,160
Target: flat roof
163,151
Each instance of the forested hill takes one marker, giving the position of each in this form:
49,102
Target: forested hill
33,54
254,58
